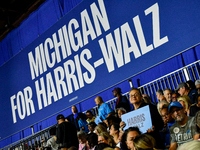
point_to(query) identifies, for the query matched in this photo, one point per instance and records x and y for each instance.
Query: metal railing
(171, 80)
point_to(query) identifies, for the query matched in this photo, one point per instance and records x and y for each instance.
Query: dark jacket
(157, 122)
(66, 134)
(124, 103)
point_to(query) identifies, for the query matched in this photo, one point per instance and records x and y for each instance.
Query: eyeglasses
(134, 95)
(197, 89)
(177, 110)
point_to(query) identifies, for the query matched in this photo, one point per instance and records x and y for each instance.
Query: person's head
(89, 114)
(185, 102)
(98, 100)
(74, 109)
(160, 105)
(100, 128)
(92, 140)
(177, 112)
(144, 141)
(91, 126)
(117, 91)
(175, 96)
(167, 118)
(82, 136)
(168, 95)
(197, 85)
(105, 137)
(102, 146)
(159, 94)
(60, 118)
(197, 100)
(146, 98)
(192, 145)
(112, 119)
(128, 137)
(182, 88)
(114, 129)
(190, 84)
(135, 96)
(120, 112)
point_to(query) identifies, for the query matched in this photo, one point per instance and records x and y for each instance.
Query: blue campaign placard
(140, 118)
(97, 45)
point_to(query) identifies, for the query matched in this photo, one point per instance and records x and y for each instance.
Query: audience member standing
(157, 122)
(184, 129)
(72, 118)
(66, 133)
(52, 141)
(104, 109)
(122, 101)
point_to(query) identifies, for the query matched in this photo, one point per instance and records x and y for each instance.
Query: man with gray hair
(197, 84)
(183, 89)
(160, 95)
(168, 95)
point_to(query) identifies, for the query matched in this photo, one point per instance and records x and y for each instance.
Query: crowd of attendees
(175, 123)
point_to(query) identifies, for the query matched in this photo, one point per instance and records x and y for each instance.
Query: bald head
(98, 100)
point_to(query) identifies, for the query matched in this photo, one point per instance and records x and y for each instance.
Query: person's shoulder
(192, 92)
(191, 118)
(175, 125)
(104, 105)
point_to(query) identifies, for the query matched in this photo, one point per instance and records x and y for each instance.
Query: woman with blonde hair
(105, 137)
(192, 145)
(99, 129)
(160, 105)
(144, 141)
(185, 102)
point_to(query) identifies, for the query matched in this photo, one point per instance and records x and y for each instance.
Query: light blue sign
(140, 118)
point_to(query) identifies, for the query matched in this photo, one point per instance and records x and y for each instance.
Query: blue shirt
(104, 110)
(83, 123)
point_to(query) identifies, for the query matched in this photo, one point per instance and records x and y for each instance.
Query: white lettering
(88, 66)
(111, 47)
(141, 38)
(156, 25)
(102, 17)
(59, 72)
(128, 36)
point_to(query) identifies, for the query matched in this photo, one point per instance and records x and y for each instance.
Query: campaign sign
(97, 45)
(140, 118)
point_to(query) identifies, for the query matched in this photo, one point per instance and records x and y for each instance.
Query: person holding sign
(135, 98)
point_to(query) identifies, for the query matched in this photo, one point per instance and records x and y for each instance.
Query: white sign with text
(140, 118)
